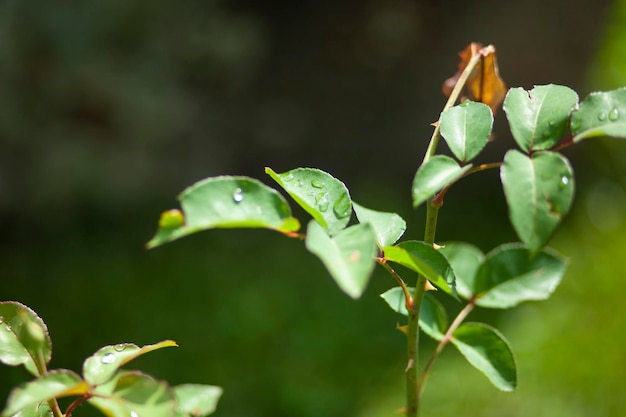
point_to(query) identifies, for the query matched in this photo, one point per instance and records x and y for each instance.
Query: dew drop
(575, 123)
(299, 183)
(317, 183)
(546, 134)
(323, 207)
(602, 116)
(108, 359)
(614, 114)
(119, 347)
(342, 206)
(288, 178)
(552, 123)
(238, 195)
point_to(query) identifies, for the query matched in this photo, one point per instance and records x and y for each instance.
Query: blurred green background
(109, 108)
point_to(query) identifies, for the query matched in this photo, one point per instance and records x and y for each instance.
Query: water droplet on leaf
(119, 347)
(238, 195)
(342, 206)
(614, 114)
(108, 359)
(552, 123)
(575, 123)
(299, 183)
(323, 207)
(317, 183)
(602, 116)
(288, 178)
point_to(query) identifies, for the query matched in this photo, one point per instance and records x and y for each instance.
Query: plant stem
(446, 339)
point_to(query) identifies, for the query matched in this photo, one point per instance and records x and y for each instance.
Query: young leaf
(323, 196)
(433, 319)
(511, 274)
(465, 260)
(466, 129)
(488, 351)
(440, 171)
(539, 192)
(102, 365)
(24, 338)
(54, 384)
(601, 114)
(196, 400)
(422, 258)
(41, 409)
(225, 202)
(134, 394)
(538, 117)
(389, 227)
(484, 83)
(348, 256)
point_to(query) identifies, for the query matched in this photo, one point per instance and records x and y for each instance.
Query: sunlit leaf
(54, 384)
(24, 338)
(484, 83)
(432, 320)
(510, 274)
(538, 118)
(601, 114)
(465, 260)
(466, 129)
(225, 202)
(348, 256)
(194, 400)
(422, 258)
(41, 409)
(135, 394)
(440, 171)
(323, 196)
(486, 349)
(389, 227)
(102, 365)
(539, 191)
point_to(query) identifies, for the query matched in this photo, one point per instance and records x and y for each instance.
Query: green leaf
(196, 400)
(489, 352)
(422, 258)
(103, 365)
(432, 320)
(511, 274)
(601, 114)
(321, 195)
(439, 172)
(538, 118)
(348, 256)
(41, 409)
(54, 384)
(134, 394)
(225, 202)
(466, 129)
(389, 227)
(24, 338)
(539, 192)
(465, 260)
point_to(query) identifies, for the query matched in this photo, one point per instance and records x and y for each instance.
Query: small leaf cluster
(24, 340)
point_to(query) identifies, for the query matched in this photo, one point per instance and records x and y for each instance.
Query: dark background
(109, 108)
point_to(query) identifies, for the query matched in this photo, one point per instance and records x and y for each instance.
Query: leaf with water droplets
(41, 409)
(24, 338)
(389, 227)
(466, 129)
(539, 192)
(134, 394)
(439, 172)
(317, 192)
(55, 384)
(433, 319)
(424, 259)
(510, 274)
(601, 114)
(102, 365)
(225, 202)
(194, 400)
(487, 350)
(348, 255)
(538, 118)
